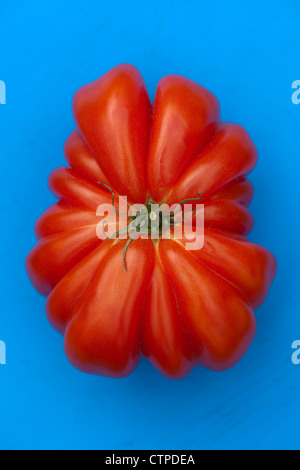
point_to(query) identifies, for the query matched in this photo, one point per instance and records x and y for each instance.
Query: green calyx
(151, 220)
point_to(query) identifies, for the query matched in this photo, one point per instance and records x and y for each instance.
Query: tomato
(117, 300)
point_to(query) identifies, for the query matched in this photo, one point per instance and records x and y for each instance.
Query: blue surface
(247, 53)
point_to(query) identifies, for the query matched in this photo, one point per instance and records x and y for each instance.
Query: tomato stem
(141, 222)
(130, 239)
(113, 201)
(191, 199)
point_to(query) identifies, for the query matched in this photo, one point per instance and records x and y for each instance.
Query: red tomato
(177, 307)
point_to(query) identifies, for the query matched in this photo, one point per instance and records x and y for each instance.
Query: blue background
(247, 53)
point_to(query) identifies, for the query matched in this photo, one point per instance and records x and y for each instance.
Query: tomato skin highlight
(177, 307)
(186, 116)
(165, 342)
(221, 325)
(114, 116)
(103, 336)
